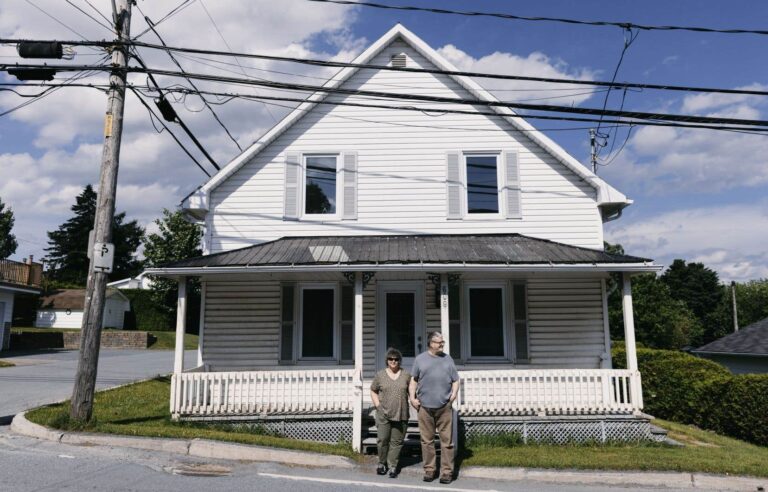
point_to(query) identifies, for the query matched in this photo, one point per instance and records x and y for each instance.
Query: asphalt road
(28, 464)
(48, 376)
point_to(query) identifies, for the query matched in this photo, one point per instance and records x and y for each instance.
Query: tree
(700, 289)
(752, 301)
(67, 257)
(8, 242)
(176, 240)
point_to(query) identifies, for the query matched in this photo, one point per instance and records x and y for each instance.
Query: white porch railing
(549, 392)
(483, 392)
(262, 392)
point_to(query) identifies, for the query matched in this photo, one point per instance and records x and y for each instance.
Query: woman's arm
(375, 399)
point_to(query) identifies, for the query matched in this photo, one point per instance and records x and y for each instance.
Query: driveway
(49, 376)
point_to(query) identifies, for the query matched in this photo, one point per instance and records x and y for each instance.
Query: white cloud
(730, 239)
(536, 64)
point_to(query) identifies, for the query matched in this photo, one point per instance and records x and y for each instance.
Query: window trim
(467, 327)
(500, 179)
(339, 188)
(301, 287)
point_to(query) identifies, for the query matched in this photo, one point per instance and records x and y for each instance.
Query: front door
(400, 320)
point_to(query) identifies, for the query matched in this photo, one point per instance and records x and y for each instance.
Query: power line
(57, 20)
(160, 120)
(636, 115)
(94, 19)
(460, 73)
(623, 25)
(183, 5)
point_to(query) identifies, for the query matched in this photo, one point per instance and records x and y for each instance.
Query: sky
(700, 195)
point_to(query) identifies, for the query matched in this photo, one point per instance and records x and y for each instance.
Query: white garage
(64, 309)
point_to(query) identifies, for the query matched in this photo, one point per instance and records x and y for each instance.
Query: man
(433, 388)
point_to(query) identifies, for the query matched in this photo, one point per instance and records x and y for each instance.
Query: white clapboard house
(347, 229)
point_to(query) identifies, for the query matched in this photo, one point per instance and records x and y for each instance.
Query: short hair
(434, 334)
(393, 352)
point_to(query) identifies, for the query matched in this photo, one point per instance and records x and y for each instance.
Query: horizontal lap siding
(242, 320)
(565, 323)
(401, 182)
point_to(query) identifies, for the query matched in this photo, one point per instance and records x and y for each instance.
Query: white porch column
(181, 315)
(445, 323)
(629, 323)
(357, 411)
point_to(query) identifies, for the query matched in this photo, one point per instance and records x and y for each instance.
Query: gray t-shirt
(435, 374)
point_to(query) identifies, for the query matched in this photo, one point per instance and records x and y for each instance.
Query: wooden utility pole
(90, 334)
(735, 313)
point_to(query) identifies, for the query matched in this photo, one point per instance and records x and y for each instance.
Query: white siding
(401, 182)
(114, 312)
(58, 318)
(6, 313)
(242, 320)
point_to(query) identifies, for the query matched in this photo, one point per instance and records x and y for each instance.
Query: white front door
(400, 313)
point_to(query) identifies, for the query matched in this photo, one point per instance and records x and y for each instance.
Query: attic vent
(398, 61)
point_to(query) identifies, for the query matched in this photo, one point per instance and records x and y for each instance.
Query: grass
(141, 409)
(704, 451)
(165, 340)
(6, 364)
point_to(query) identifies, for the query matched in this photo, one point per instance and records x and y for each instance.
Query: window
(318, 322)
(482, 184)
(487, 338)
(320, 184)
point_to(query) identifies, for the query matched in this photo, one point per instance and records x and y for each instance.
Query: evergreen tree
(176, 240)
(8, 242)
(67, 256)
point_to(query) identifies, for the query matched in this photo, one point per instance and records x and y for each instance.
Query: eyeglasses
(439, 343)
(393, 359)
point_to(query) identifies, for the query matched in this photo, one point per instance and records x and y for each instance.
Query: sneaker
(428, 478)
(393, 473)
(381, 469)
(446, 479)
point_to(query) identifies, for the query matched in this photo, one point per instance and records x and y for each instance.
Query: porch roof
(381, 252)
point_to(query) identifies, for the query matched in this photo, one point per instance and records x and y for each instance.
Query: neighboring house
(16, 278)
(139, 282)
(744, 351)
(64, 309)
(345, 230)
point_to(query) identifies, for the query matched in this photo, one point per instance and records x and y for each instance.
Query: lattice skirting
(561, 430)
(320, 428)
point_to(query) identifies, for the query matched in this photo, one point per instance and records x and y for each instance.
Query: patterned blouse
(393, 394)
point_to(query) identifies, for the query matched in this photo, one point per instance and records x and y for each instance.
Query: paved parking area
(42, 377)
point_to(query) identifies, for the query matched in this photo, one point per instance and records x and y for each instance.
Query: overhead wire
(94, 19)
(183, 5)
(561, 20)
(58, 21)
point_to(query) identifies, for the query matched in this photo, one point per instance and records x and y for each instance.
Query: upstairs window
(320, 184)
(482, 184)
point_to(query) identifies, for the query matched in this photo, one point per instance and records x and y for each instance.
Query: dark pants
(390, 435)
(440, 419)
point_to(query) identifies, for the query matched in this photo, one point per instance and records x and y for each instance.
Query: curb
(205, 448)
(201, 448)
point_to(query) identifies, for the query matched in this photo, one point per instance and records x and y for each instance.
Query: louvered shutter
(512, 188)
(287, 324)
(291, 201)
(453, 185)
(350, 186)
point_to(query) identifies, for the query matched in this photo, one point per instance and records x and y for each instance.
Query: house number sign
(103, 257)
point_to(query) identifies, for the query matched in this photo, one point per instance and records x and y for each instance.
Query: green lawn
(166, 340)
(6, 364)
(142, 410)
(704, 451)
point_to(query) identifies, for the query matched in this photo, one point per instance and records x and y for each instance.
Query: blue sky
(699, 194)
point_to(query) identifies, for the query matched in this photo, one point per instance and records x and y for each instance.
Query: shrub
(145, 314)
(690, 390)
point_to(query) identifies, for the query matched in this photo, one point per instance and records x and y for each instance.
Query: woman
(389, 393)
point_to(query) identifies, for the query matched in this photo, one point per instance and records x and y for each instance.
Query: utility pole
(101, 261)
(733, 300)
(593, 147)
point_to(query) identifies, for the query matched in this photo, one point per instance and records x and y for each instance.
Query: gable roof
(72, 298)
(750, 340)
(459, 251)
(197, 202)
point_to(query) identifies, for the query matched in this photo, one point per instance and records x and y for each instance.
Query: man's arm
(412, 393)
(455, 390)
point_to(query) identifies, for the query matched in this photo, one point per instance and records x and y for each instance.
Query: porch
(293, 347)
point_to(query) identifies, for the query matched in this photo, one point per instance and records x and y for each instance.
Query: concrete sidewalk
(228, 451)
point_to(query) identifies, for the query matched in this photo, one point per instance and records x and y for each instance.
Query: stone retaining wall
(112, 339)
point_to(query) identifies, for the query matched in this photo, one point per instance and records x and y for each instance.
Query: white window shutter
(453, 185)
(350, 186)
(512, 188)
(291, 197)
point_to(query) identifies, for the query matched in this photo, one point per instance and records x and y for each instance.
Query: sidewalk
(204, 448)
